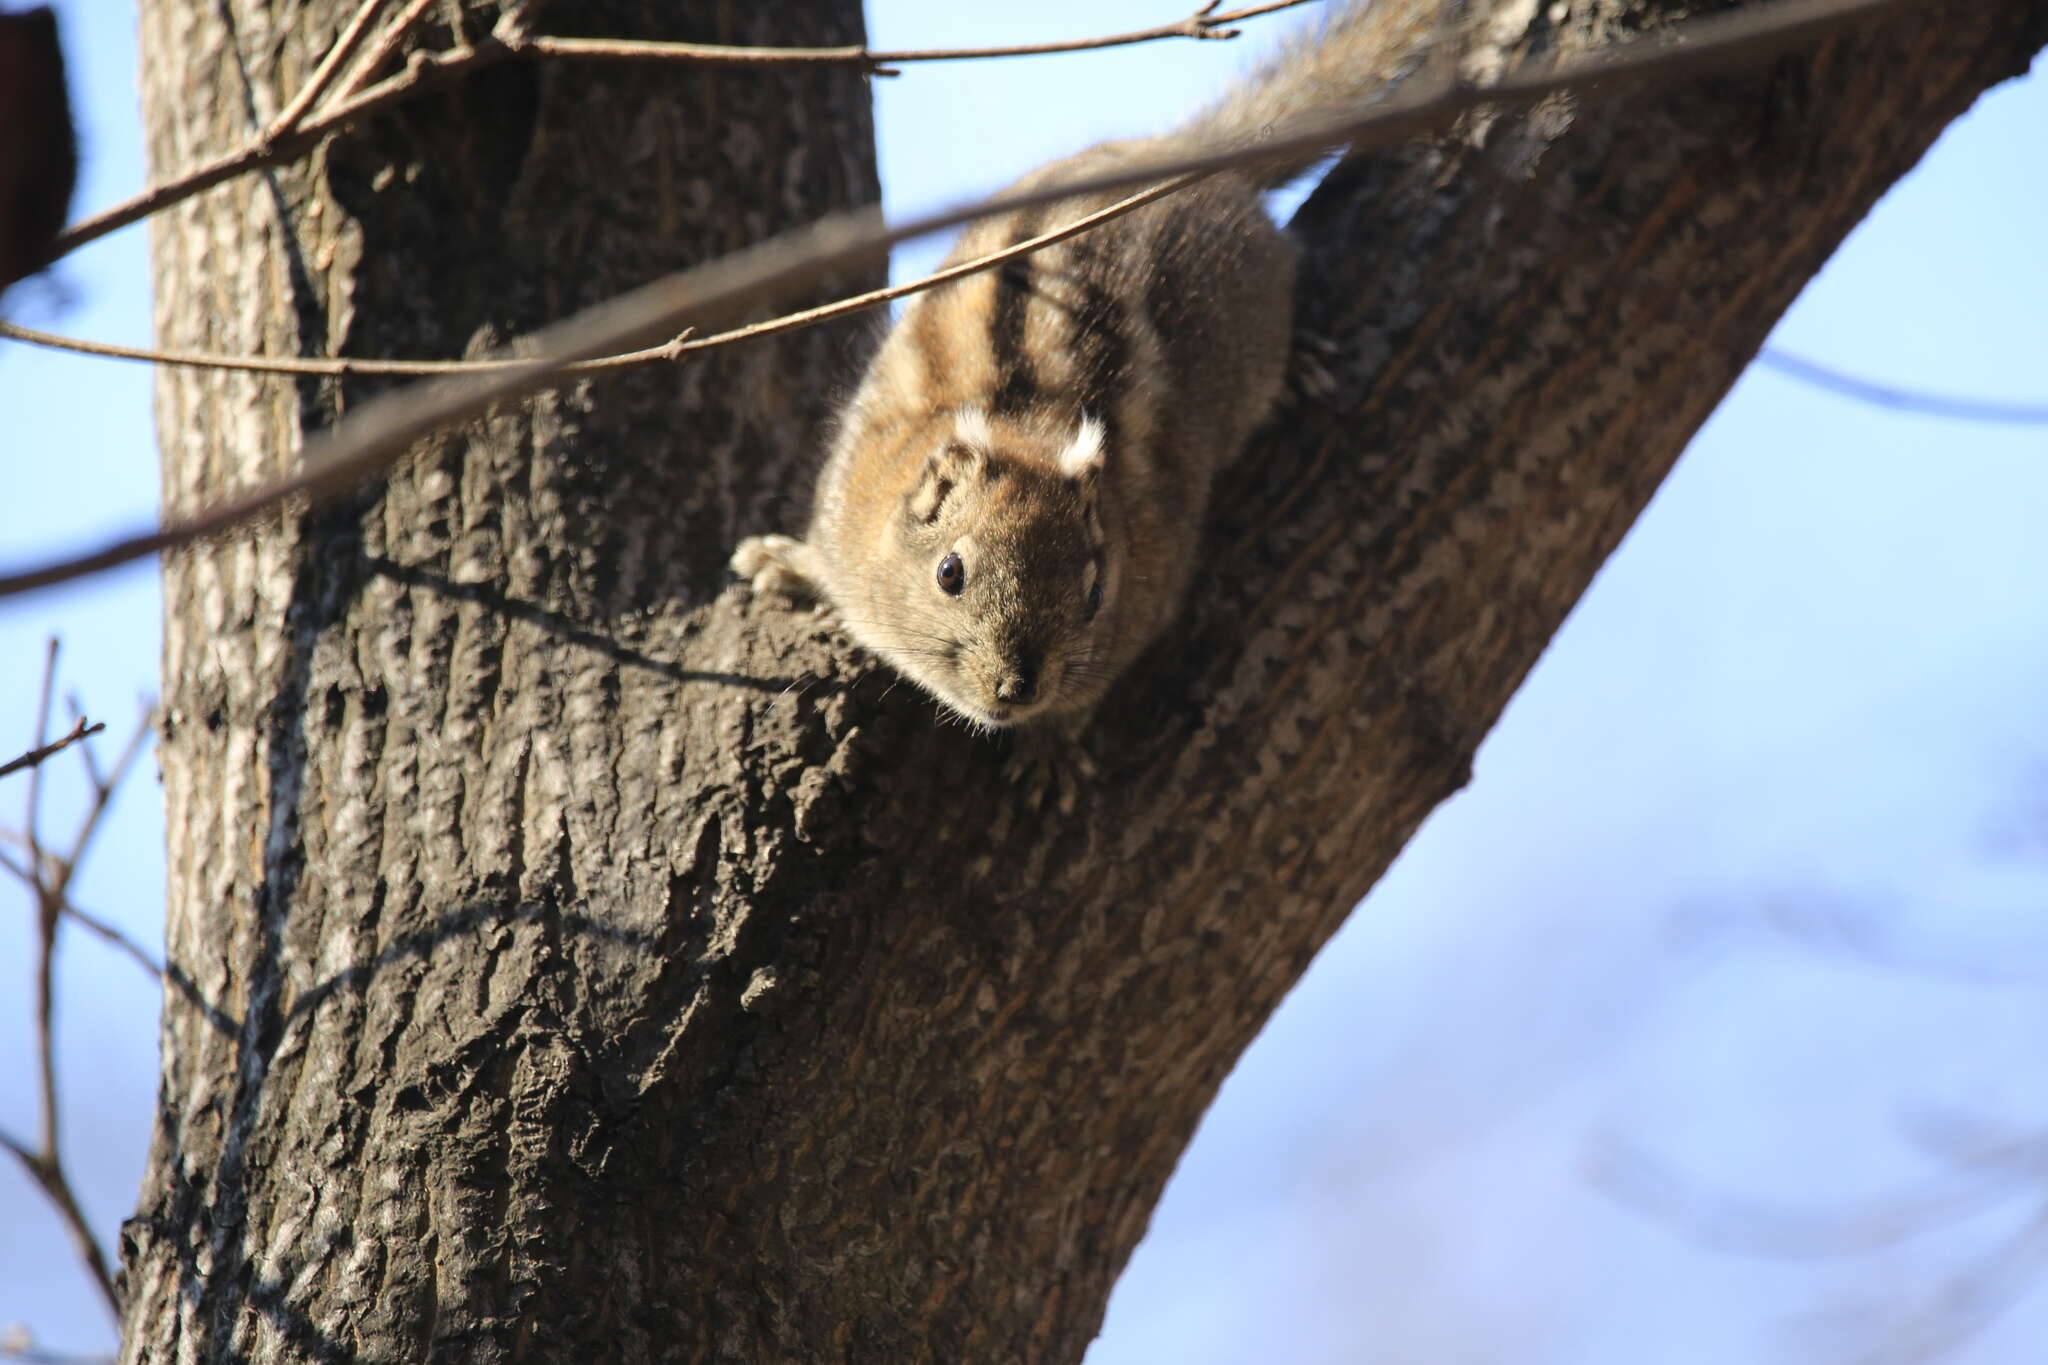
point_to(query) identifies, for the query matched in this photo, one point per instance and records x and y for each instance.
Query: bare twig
(323, 75)
(380, 432)
(50, 879)
(49, 876)
(1987, 1174)
(1204, 23)
(810, 317)
(86, 755)
(671, 350)
(1904, 400)
(1719, 40)
(1725, 1222)
(31, 823)
(427, 71)
(1968, 1302)
(50, 1177)
(79, 730)
(104, 928)
(103, 790)
(1976, 1146)
(322, 474)
(355, 99)
(387, 46)
(113, 936)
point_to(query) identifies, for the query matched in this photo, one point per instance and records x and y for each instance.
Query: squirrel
(1013, 504)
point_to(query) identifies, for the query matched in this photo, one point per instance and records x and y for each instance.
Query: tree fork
(573, 959)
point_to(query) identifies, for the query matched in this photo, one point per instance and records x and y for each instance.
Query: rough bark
(576, 960)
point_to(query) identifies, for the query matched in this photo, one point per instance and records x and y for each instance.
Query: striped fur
(1014, 501)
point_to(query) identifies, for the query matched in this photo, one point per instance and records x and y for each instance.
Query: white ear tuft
(1084, 456)
(971, 426)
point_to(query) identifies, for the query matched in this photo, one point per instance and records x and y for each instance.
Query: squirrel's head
(1000, 591)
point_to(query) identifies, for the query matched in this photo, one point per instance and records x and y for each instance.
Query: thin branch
(86, 755)
(99, 925)
(387, 46)
(46, 1166)
(80, 729)
(427, 70)
(323, 474)
(111, 933)
(1204, 23)
(102, 797)
(379, 433)
(323, 75)
(1724, 1222)
(1975, 1145)
(1967, 1303)
(46, 1043)
(855, 303)
(1964, 1304)
(1904, 400)
(672, 350)
(328, 365)
(31, 821)
(48, 877)
(50, 1178)
(1716, 41)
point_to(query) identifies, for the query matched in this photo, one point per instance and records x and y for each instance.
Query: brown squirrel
(1012, 507)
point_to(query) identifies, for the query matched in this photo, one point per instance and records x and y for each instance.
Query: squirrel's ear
(945, 468)
(1082, 460)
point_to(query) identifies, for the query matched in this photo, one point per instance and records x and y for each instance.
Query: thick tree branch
(617, 958)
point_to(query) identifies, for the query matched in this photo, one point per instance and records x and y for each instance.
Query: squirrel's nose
(1018, 686)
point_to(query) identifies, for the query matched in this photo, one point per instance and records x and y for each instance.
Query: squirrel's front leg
(782, 565)
(1049, 762)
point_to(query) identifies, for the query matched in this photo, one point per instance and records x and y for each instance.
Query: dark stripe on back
(1099, 346)
(1102, 347)
(1016, 377)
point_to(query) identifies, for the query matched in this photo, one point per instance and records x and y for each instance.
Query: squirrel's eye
(952, 575)
(1094, 600)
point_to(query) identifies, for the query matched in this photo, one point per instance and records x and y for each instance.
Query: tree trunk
(574, 959)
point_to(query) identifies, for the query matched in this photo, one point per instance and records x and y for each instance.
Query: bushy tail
(1362, 50)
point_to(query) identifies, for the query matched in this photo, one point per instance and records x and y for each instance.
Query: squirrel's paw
(1049, 766)
(774, 564)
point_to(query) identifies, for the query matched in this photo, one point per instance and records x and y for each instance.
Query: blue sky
(1750, 879)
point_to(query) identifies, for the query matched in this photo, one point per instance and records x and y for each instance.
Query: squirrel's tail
(1362, 50)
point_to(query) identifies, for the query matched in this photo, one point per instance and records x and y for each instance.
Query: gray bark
(576, 960)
